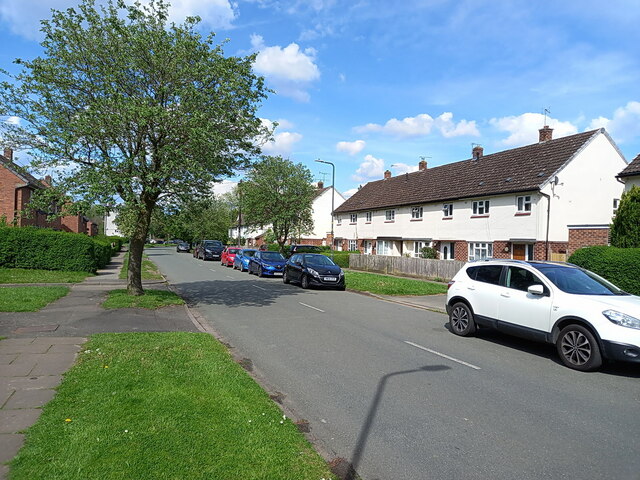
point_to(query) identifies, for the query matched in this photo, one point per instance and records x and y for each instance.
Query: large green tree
(625, 229)
(279, 194)
(131, 108)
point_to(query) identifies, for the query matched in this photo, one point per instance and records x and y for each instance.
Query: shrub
(340, 258)
(625, 229)
(621, 266)
(37, 248)
(428, 252)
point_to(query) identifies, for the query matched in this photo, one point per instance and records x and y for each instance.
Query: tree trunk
(136, 246)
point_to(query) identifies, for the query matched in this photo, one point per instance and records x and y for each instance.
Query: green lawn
(149, 269)
(388, 285)
(163, 406)
(29, 299)
(23, 275)
(151, 299)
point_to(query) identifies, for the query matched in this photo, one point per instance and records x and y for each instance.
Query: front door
(519, 252)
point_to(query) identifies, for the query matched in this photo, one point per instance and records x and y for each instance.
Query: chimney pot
(546, 133)
(8, 153)
(387, 174)
(422, 165)
(477, 152)
(320, 185)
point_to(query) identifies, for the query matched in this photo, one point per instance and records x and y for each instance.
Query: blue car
(267, 263)
(241, 262)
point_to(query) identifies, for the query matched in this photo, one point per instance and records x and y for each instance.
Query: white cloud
(23, 17)
(225, 186)
(290, 69)
(400, 168)
(422, 125)
(283, 142)
(625, 124)
(351, 147)
(349, 193)
(523, 129)
(12, 121)
(371, 169)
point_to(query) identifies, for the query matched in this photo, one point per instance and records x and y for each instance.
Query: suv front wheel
(461, 320)
(578, 348)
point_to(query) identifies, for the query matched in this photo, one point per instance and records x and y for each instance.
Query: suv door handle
(471, 288)
(505, 295)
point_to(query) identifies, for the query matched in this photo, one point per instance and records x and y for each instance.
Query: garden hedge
(621, 266)
(38, 248)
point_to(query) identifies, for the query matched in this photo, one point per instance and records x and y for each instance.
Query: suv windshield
(577, 281)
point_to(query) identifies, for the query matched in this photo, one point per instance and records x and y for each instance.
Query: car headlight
(313, 272)
(622, 319)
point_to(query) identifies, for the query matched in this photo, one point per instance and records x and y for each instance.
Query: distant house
(540, 201)
(631, 174)
(321, 215)
(17, 187)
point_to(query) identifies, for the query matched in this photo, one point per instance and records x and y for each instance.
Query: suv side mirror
(536, 289)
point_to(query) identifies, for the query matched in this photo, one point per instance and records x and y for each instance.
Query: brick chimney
(546, 133)
(387, 174)
(422, 165)
(8, 153)
(320, 185)
(477, 152)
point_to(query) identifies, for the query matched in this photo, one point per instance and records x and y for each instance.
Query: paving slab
(29, 398)
(10, 443)
(14, 421)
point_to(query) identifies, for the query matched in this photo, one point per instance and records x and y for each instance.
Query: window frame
(390, 215)
(353, 245)
(522, 203)
(480, 246)
(417, 213)
(447, 210)
(353, 218)
(480, 208)
(368, 217)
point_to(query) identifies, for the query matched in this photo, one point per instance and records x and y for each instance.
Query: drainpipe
(546, 242)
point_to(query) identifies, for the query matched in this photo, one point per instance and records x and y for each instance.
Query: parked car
(241, 262)
(228, 256)
(313, 269)
(267, 263)
(302, 249)
(183, 247)
(584, 315)
(210, 250)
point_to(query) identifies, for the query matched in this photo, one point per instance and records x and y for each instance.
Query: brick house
(540, 201)
(17, 187)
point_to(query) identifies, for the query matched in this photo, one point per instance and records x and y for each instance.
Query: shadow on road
(363, 436)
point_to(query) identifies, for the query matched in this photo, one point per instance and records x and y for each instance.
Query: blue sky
(373, 85)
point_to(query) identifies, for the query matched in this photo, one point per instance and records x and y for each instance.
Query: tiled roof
(516, 170)
(20, 172)
(632, 169)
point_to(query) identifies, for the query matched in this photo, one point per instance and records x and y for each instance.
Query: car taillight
(450, 283)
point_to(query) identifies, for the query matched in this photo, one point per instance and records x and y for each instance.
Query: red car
(228, 256)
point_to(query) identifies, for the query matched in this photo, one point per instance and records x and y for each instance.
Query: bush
(428, 252)
(341, 258)
(621, 266)
(37, 248)
(625, 229)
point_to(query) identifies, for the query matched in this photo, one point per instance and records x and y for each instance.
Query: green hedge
(341, 258)
(621, 266)
(45, 249)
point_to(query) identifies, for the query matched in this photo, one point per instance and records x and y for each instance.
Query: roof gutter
(546, 241)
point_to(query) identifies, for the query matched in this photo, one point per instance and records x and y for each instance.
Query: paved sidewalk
(42, 345)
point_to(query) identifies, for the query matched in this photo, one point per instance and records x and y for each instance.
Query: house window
(480, 251)
(368, 248)
(390, 215)
(616, 204)
(417, 246)
(384, 247)
(369, 216)
(524, 204)
(447, 210)
(354, 218)
(416, 213)
(339, 219)
(481, 207)
(353, 245)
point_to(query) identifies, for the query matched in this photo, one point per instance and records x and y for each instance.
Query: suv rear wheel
(461, 320)
(578, 348)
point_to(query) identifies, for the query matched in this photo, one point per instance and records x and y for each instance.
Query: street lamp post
(333, 194)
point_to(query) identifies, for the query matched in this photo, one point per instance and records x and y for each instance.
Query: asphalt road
(392, 390)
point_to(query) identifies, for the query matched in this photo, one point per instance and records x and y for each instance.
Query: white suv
(585, 316)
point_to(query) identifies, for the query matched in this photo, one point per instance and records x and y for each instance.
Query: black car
(313, 269)
(183, 247)
(210, 250)
(302, 249)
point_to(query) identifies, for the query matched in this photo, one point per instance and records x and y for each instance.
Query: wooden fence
(411, 267)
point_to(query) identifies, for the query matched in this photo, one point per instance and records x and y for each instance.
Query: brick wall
(499, 247)
(461, 251)
(587, 237)
(8, 183)
(554, 247)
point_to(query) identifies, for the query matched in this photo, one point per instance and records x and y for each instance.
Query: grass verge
(149, 269)
(151, 299)
(163, 405)
(29, 299)
(23, 275)
(387, 285)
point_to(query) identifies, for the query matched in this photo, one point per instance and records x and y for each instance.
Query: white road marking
(443, 355)
(309, 306)
(212, 269)
(256, 286)
(229, 276)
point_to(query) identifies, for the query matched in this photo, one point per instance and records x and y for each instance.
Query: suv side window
(486, 273)
(521, 279)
